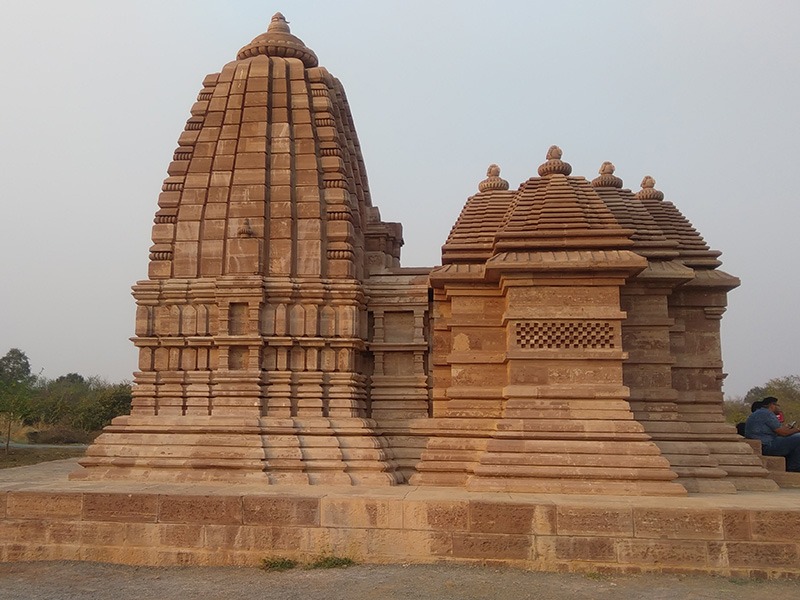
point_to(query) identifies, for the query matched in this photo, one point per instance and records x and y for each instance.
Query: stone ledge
(52, 518)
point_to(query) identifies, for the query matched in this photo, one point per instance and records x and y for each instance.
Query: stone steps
(776, 465)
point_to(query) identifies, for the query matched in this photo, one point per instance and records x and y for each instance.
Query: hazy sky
(702, 95)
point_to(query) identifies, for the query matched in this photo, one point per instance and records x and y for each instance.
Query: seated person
(776, 439)
(753, 408)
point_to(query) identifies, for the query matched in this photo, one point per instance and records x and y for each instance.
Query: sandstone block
(497, 517)
(677, 523)
(59, 533)
(281, 511)
(687, 554)
(761, 555)
(142, 534)
(181, 535)
(120, 507)
(436, 515)
(199, 509)
(599, 521)
(361, 513)
(736, 525)
(420, 544)
(775, 526)
(31, 531)
(37, 505)
(96, 533)
(222, 537)
(491, 546)
(351, 543)
(598, 549)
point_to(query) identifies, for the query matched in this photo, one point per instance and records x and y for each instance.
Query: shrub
(278, 564)
(331, 562)
(60, 435)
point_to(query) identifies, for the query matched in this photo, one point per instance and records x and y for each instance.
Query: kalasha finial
(607, 177)
(278, 23)
(649, 191)
(279, 41)
(493, 180)
(554, 164)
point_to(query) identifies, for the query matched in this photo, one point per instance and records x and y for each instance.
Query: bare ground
(74, 581)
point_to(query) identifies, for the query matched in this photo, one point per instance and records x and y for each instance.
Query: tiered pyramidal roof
(629, 211)
(559, 211)
(555, 210)
(693, 250)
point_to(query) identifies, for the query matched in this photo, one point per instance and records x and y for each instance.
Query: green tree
(71, 404)
(16, 384)
(103, 403)
(785, 389)
(736, 410)
(57, 399)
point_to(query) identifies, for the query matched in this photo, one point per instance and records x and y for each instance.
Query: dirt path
(78, 581)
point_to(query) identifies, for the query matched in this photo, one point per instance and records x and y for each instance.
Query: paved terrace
(46, 516)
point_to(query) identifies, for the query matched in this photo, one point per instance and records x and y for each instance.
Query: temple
(568, 343)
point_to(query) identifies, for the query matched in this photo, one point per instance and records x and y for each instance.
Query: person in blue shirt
(776, 439)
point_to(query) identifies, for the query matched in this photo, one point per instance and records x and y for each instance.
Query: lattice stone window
(564, 334)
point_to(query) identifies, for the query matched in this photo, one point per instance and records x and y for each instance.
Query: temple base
(314, 451)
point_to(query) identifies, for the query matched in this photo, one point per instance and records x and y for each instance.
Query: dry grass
(20, 457)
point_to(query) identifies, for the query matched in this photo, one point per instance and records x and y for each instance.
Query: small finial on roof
(554, 164)
(607, 177)
(278, 23)
(279, 41)
(649, 191)
(493, 180)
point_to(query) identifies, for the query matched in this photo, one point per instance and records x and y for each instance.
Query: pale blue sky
(702, 95)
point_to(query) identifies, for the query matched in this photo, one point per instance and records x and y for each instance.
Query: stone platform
(46, 516)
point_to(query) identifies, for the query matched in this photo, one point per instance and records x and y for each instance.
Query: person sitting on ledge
(753, 408)
(776, 439)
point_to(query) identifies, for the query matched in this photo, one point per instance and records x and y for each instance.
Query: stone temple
(569, 342)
